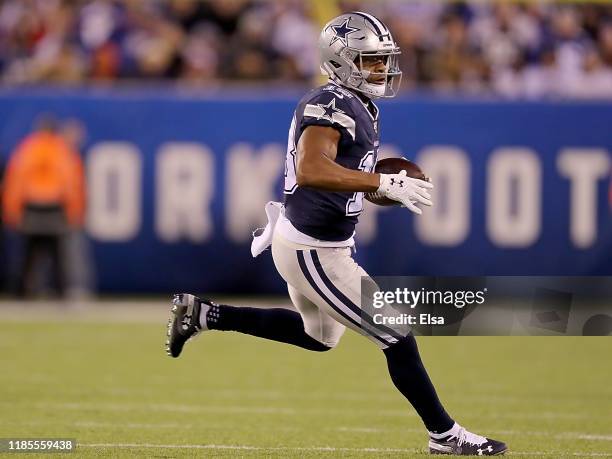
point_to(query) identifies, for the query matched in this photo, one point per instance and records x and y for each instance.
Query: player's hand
(407, 190)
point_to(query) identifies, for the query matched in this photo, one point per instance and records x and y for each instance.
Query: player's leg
(331, 279)
(192, 315)
(317, 323)
(308, 328)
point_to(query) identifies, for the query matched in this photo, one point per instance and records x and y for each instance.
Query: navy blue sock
(411, 379)
(274, 324)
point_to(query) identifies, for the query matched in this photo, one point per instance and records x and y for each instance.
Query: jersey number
(354, 206)
(290, 161)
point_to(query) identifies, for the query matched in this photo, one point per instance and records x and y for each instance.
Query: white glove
(407, 190)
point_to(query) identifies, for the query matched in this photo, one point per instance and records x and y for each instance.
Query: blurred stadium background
(168, 121)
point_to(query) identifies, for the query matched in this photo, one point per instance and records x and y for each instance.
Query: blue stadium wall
(177, 183)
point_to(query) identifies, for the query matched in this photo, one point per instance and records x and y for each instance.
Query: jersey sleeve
(327, 108)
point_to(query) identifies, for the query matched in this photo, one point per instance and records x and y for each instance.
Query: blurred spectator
(43, 201)
(248, 57)
(593, 79)
(200, 55)
(294, 37)
(604, 42)
(505, 47)
(453, 61)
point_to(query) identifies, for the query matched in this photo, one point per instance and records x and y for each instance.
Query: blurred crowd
(529, 49)
(194, 41)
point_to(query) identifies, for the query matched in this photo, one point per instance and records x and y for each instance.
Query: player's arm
(316, 166)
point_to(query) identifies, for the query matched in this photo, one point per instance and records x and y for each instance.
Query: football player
(332, 149)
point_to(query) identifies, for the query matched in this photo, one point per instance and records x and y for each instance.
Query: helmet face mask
(349, 46)
(380, 84)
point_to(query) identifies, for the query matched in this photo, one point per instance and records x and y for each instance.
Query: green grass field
(105, 380)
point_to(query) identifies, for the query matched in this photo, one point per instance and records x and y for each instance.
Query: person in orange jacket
(44, 198)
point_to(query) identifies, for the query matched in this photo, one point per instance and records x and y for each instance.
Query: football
(394, 166)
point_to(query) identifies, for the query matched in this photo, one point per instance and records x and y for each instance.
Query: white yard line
(253, 448)
(595, 437)
(321, 449)
(132, 425)
(356, 429)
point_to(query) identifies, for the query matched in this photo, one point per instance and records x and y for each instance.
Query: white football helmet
(346, 40)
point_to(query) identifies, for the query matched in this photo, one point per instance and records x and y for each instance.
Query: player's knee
(328, 336)
(325, 345)
(331, 344)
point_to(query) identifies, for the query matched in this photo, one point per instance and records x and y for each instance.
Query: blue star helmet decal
(341, 31)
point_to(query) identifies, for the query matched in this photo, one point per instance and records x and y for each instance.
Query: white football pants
(325, 287)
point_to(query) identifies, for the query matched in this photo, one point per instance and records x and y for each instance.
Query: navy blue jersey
(328, 215)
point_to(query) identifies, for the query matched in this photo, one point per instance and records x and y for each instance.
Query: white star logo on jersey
(332, 114)
(328, 110)
(341, 31)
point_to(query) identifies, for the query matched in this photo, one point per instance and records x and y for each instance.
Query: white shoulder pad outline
(332, 114)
